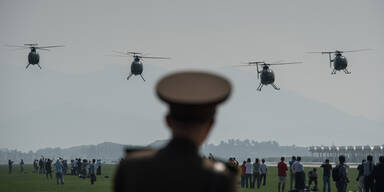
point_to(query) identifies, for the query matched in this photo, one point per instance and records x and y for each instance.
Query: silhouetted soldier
(192, 98)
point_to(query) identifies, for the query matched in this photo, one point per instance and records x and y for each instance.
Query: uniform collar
(182, 145)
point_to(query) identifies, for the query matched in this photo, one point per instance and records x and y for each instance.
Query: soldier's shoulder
(220, 167)
(136, 158)
(139, 153)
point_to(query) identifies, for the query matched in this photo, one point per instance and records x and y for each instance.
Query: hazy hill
(111, 152)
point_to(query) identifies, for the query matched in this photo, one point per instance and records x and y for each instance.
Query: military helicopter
(137, 64)
(33, 56)
(266, 75)
(339, 61)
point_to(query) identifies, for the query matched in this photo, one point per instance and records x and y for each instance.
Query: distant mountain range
(112, 152)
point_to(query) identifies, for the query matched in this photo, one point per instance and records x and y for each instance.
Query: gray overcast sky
(81, 95)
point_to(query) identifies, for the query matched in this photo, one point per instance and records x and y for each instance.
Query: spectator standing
(360, 176)
(368, 176)
(339, 174)
(41, 166)
(291, 173)
(256, 173)
(21, 166)
(263, 171)
(298, 170)
(326, 175)
(72, 167)
(92, 174)
(48, 168)
(10, 165)
(242, 181)
(248, 173)
(312, 176)
(98, 165)
(84, 169)
(44, 163)
(35, 166)
(59, 172)
(378, 174)
(65, 167)
(282, 174)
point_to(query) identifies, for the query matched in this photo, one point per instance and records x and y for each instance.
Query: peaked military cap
(193, 96)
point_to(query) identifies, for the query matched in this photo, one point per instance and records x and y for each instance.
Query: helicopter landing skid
(259, 87)
(129, 76)
(142, 77)
(333, 72)
(274, 86)
(346, 71)
(31, 64)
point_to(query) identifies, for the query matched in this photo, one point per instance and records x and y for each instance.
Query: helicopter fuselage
(340, 62)
(137, 67)
(33, 58)
(267, 76)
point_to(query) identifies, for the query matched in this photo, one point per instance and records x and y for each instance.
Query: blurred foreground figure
(192, 98)
(378, 174)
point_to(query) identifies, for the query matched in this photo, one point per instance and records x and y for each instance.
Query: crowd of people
(253, 174)
(370, 177)
(82, 168)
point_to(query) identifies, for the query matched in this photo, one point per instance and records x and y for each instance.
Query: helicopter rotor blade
(134, 53)
(243, 65)
(120, 52)
(118, 55)
(31, 44)
(18, 46)
(288, 63)
(322, 52)
(44, 49)
(356, 50)
(52, 46)
(156, 57)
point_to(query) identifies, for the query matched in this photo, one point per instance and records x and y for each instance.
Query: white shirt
(248, 168)
(263, 168)
(297, 167)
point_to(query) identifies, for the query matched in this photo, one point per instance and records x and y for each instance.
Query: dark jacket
(378, 174)
(177, 167)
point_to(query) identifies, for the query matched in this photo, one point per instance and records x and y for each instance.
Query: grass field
(30, 182)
